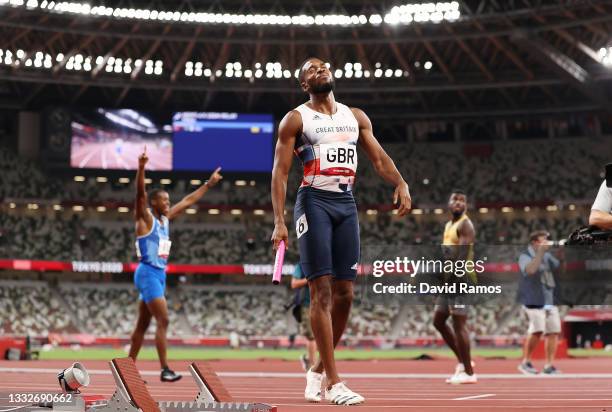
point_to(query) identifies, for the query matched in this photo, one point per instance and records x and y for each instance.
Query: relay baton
(278, 263)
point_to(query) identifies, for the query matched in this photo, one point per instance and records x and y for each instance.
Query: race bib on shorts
(164, 248)
(301, 225)
(338, 158)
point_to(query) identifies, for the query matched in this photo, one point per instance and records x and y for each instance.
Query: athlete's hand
(280, 233)
(402, 195)
(214, 178)
(143, 159)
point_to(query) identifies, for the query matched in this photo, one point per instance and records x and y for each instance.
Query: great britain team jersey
(154, 247)
(327, 148)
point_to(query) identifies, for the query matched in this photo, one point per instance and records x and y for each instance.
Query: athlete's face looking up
(457, 204)
(316, 77)
(161, 203)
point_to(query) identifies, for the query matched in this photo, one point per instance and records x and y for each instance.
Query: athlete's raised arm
(144, 220)
(383, 164)
(290, 127)
(194, 196)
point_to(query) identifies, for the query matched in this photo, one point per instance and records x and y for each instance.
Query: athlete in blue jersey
(153, 247)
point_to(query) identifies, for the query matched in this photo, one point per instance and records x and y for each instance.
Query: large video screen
(113, 139)
(236, 142)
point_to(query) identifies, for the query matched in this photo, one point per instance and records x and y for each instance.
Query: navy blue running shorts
(327, 228)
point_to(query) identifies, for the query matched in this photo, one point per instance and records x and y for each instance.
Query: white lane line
(87, 158)
(300, 375)
(465, 398)
(104, 162)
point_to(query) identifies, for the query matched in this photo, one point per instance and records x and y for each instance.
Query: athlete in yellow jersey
(459, 234)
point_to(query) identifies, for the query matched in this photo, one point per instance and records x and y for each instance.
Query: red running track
(586, 384)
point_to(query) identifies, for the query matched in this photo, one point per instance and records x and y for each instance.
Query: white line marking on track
(104, 162)
(300, 375)
(87, 158)
(465, 398)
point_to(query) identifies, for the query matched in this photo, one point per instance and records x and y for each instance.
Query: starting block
(132, 394)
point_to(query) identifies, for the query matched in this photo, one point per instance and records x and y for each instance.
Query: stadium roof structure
(399, 61)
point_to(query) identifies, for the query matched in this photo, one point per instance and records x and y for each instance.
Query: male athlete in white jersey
(324, 135)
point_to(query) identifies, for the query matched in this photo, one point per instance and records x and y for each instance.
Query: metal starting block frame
(132, 394)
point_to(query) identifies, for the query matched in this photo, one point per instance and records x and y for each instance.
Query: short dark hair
(301, 72)
(533, 236)
(458, 192)
(154, 193)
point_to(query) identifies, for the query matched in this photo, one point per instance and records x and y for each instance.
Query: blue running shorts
(150, 282)
(327, 228)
